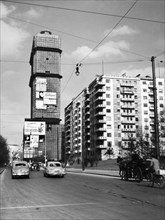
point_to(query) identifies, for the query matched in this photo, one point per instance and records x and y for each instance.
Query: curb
(101, 173)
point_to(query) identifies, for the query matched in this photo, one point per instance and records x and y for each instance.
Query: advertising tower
(45, 83)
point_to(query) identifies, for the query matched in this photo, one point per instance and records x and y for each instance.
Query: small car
(20, 169)
(53, 168)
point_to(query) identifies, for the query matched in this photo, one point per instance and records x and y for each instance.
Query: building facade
(45, 84)
(110, 114)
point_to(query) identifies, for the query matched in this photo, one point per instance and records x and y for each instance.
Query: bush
(4, 155)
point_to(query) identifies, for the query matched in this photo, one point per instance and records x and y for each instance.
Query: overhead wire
(85, 11)
(103, 39)
(128, 51)
(43, 26)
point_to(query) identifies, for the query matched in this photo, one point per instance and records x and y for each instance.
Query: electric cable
(84, 11)
(43, 26)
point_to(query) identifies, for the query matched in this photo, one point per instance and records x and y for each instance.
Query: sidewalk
(114, 173)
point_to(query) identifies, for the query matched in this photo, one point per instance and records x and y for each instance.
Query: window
(160, 97)
(146, 112)
(160, 90)
(109, 126)
(160, 83)
(146, 119)
(108, 110)
(145, 105)
(108, 95)
(144, 83)
(108, 118)
(108, 103)
(144, 97)
(109, 135)
(117, 96)
(107, 80)
(144, 90)
(107, 88)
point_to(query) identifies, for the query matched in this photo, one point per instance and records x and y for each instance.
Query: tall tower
(45, 80)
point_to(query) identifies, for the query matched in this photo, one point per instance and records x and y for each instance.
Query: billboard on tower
(34, 128)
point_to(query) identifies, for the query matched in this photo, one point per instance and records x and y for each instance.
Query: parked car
(53, 168)
(20, 169)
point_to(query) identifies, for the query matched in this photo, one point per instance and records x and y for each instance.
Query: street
(78, 196)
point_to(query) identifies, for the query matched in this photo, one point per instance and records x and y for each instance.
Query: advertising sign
(50, 98)
(41, 84)
(40, 104)
(34, 139)
(34, 128)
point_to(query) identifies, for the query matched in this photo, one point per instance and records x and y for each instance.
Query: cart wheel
(138, 175)
(124, 175)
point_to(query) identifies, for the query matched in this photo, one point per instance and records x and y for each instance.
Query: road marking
(45, 206)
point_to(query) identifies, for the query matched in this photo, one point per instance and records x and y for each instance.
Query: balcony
(100, 113)
(101, 138)
(151, 108)
(100, 98)
(128, 130)
(128, 106)
(127, 99)
(100, 129)
(151, 100)
(99, 91)
(126, 91)
(101, 147)
(99, 106)
(125, 114)
(99, 121)
(126, 84)
(128, 121)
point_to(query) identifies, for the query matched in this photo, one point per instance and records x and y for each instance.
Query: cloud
(146, 71)
(12, 38)
(6, 10)
(32, 13)
(105, 50)
(12, 35)
(124, 30)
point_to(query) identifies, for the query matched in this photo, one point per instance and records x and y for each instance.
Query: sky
(108, 37)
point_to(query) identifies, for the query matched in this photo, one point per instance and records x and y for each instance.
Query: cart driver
(154, 165)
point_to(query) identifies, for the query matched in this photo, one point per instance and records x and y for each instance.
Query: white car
(54, 169)
(20, 169)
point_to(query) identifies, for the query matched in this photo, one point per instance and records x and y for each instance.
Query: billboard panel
(34, 128)
(50, 98)
(34, 140)
(41, 84)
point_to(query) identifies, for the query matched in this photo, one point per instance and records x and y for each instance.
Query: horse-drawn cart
(134, 169)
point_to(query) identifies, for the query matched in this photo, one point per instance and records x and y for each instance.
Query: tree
(4, 152)
(109, 152)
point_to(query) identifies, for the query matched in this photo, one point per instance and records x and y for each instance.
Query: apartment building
(110, 113)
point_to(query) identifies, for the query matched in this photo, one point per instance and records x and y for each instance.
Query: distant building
(109, 114)
(45, 84)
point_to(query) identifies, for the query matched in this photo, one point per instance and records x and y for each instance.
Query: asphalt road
(78, 196)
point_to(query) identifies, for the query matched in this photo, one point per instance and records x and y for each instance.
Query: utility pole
(156, 123)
